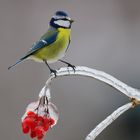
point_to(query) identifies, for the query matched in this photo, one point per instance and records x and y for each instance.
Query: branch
(132, 93)
(99, 75)
(100, 127)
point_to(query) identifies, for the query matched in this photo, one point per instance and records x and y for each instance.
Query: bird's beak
(71, 20)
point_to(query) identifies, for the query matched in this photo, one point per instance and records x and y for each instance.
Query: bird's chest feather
(57, 49)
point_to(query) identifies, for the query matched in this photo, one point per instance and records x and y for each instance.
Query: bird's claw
(72, 66)
(53, 71)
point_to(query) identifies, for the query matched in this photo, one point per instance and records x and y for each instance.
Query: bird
(53, 45)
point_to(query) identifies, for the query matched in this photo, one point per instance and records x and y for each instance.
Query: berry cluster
(36, 125)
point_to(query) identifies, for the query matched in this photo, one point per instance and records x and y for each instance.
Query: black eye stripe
(65, 19)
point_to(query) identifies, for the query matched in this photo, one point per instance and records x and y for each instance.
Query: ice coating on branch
(50, 111)
(45, 92)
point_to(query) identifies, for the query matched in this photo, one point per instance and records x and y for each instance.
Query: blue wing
(45, 40)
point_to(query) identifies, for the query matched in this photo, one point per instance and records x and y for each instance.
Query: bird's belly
(53, 52)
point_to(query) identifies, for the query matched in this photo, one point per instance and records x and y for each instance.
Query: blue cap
(61, 13)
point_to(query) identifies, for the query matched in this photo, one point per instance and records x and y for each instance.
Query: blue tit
(54, 44)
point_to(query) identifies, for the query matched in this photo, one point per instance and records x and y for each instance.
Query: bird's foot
(53, 71)
(69, 65)
(72, 66)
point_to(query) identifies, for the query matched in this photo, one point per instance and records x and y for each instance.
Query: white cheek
(63, 23)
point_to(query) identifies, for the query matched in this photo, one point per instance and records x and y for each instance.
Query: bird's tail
(18, 62)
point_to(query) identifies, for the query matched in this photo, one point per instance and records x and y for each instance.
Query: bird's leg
(69, 65)
(51, 70)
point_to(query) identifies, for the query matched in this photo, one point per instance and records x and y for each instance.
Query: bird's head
(61, 20)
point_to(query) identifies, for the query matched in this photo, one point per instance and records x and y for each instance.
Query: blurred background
(105, 36)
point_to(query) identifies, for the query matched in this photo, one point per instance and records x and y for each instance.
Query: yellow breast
(56, 50)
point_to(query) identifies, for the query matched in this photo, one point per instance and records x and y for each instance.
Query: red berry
(40, 120)
(46, 127)
(40, 137)
(31, 113)
(29, 121)
(33, 134)
(46, 120)
(39, 132)
(51, 121)
(25, 128)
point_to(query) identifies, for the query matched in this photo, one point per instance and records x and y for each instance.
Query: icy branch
(99, 75)
(100, 127)
(132, 93)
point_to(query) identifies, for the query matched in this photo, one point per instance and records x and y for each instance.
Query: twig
(101, 126)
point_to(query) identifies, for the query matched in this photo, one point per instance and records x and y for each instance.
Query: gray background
(105, 36)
